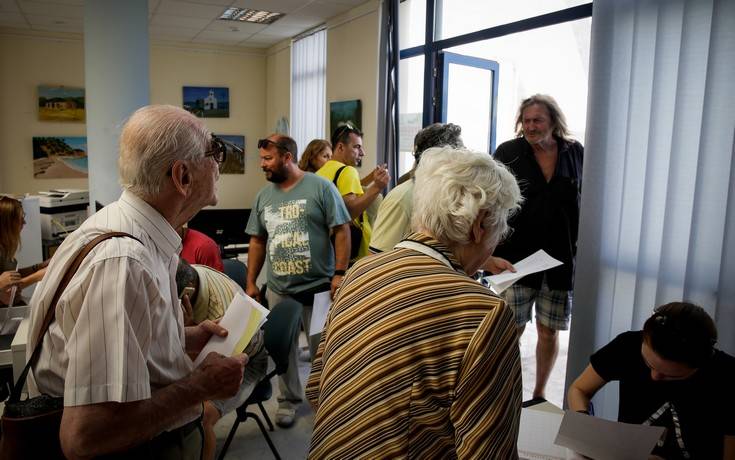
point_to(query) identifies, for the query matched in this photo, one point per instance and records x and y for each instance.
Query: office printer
(62, 211)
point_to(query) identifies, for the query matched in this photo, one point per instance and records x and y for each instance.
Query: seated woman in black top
(670, 375)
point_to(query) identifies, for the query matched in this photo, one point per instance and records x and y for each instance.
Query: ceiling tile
(325, 10)
(58, 28)
(52, 9)
(223, 3)
(13, 20)
(224, 26)
(69, 2)
(275, 6)
(285, 30)
(210, 36)
(179, 21)
(189, 9)
(173, 32)
(77, 23)
(7, 7)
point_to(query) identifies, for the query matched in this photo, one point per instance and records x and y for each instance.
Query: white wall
(26, 62)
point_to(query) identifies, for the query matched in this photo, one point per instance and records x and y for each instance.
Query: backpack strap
(51, 312)
(336, 175)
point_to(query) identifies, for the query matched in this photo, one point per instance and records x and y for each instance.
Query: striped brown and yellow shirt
(417, 361)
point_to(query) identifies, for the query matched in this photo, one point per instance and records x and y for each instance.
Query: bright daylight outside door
(469, 91)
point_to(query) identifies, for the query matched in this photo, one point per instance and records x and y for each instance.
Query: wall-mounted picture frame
(60, 157)
(61, 103)
(345, 111)
(207, 101)
(234, 161)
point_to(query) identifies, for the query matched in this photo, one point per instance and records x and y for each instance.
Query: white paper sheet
(538, 429)
(602, 439)
(319, 312)
(242, 319)
(536, 262)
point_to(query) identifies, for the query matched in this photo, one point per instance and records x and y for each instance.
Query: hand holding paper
(242, 319)
(536, 262)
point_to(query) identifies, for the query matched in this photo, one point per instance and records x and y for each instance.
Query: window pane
(410, 106)
(557, 65)
(459, 17)
(470, 109)
(411, 23)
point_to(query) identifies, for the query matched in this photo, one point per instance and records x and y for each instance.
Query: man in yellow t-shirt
(347, 152)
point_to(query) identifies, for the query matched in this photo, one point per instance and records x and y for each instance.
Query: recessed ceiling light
(248, 15)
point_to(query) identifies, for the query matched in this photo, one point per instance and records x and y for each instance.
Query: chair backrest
(283, 323)
(237, 271)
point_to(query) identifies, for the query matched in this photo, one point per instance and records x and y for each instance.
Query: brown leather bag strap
(51, 312)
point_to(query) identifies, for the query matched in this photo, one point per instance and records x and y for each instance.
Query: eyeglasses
(264, 143)
(219, 149)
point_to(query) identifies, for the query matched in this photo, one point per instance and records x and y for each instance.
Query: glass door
(468, 91)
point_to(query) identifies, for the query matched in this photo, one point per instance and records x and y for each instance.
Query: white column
(116, 73)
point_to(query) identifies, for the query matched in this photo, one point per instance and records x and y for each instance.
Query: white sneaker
(285, 417)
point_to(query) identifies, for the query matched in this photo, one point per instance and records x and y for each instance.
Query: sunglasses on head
(265, 143)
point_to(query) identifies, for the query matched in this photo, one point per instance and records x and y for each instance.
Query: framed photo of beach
(60, 103)
(207, 101)
(234, 161)
(59, 157)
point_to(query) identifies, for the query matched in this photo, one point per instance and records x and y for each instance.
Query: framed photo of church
(207, 101)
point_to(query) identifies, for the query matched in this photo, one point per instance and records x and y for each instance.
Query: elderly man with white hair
(117, 348)
(417, 359)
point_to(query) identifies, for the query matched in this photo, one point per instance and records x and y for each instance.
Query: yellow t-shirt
(349, 182)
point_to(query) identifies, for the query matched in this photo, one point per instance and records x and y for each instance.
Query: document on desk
(538, 429)
(536, 262)
(319, 312)
(602, 439)
(242, 320)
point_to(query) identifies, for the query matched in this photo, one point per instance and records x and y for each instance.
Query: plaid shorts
(553, 307)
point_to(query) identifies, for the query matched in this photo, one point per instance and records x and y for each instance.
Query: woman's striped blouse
(417, 361)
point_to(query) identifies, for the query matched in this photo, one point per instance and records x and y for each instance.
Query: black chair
(237, 271)
(283, 323)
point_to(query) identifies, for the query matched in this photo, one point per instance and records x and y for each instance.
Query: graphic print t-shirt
(296, 224)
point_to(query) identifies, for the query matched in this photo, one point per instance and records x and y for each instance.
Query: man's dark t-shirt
(549, 215)
(703, 403)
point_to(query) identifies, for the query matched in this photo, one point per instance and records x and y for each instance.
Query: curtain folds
(658, 201)
(308, 88)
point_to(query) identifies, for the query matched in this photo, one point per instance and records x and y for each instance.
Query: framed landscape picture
(60, 103)
(234, 161)
(59, 157)
(207, 101)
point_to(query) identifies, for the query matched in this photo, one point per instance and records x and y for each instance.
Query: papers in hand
(319, 313)
(242, 320)
(536, 262)
(605, 440)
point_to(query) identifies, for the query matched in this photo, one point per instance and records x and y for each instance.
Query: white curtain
(308, 88)
(658, 199)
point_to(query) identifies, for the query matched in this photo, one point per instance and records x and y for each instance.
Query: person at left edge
(117, 349)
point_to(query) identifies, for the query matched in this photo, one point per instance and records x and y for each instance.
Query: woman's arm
(584, 388)
(33, 278)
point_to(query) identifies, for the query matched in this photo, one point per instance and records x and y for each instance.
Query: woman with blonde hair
(318, 152)
(12, 219)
